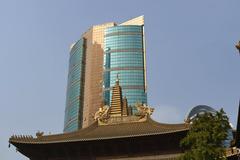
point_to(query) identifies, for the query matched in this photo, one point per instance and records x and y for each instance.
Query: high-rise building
(84, 89)
(125, 56)
(102, 52)
(75, 87)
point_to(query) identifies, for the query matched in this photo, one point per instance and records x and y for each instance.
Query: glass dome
(199, 110)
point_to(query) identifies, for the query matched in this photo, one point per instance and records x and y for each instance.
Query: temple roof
(103, 132)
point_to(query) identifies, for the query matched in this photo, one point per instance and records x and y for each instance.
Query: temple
(115, 134)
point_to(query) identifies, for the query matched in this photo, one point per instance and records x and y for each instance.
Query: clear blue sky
(191, 58)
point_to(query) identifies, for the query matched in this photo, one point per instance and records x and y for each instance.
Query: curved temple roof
(96, 132)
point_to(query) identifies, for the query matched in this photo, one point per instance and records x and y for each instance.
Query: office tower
(124, 49)
(75, 89)
(124, 56)
(84, 89)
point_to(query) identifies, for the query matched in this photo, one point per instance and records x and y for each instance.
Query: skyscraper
(125, 56)
(84, 89)
(102, 52)
(75, 86)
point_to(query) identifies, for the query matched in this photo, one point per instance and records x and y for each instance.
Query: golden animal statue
(143, 110)
(39, 134)
(102, 114)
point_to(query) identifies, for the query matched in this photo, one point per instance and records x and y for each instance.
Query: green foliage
(204, 140)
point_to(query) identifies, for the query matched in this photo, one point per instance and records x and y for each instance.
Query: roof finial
(117, 79)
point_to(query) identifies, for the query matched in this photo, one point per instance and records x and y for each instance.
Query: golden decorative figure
(39, 134)
(143, 110)
(102, 114)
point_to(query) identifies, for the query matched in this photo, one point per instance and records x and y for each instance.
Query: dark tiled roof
(95, 132)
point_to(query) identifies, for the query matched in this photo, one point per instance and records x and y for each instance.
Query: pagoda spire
(116, 102)
(117, 79)
(125, 107)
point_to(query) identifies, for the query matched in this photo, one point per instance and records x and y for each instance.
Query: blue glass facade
(74, 101)
(124, 56)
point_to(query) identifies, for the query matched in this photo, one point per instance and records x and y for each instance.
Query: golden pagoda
(116, 103)
(119, 105)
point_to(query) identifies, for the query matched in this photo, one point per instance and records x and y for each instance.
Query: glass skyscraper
(102, 52)
(74, 101)
(124, 56)
(84, 89)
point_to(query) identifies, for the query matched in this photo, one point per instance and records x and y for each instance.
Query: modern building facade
(93, 96)
(102, 52)
(124, 56)
(84, 89)
(75, 86)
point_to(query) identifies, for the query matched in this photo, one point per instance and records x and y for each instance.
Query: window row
(129, 83)
(137, 38)
(123, 53)
(76, 59)
(123, 29)
(130, 58)
(127, 73)
(124, 65)
(123, 47)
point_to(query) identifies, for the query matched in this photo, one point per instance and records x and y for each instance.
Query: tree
(205, 138)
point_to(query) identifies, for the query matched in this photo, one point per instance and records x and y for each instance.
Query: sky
(191, 58)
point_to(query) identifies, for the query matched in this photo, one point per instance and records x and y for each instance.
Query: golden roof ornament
(144, 110)
(102, 115)
(39, 134)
